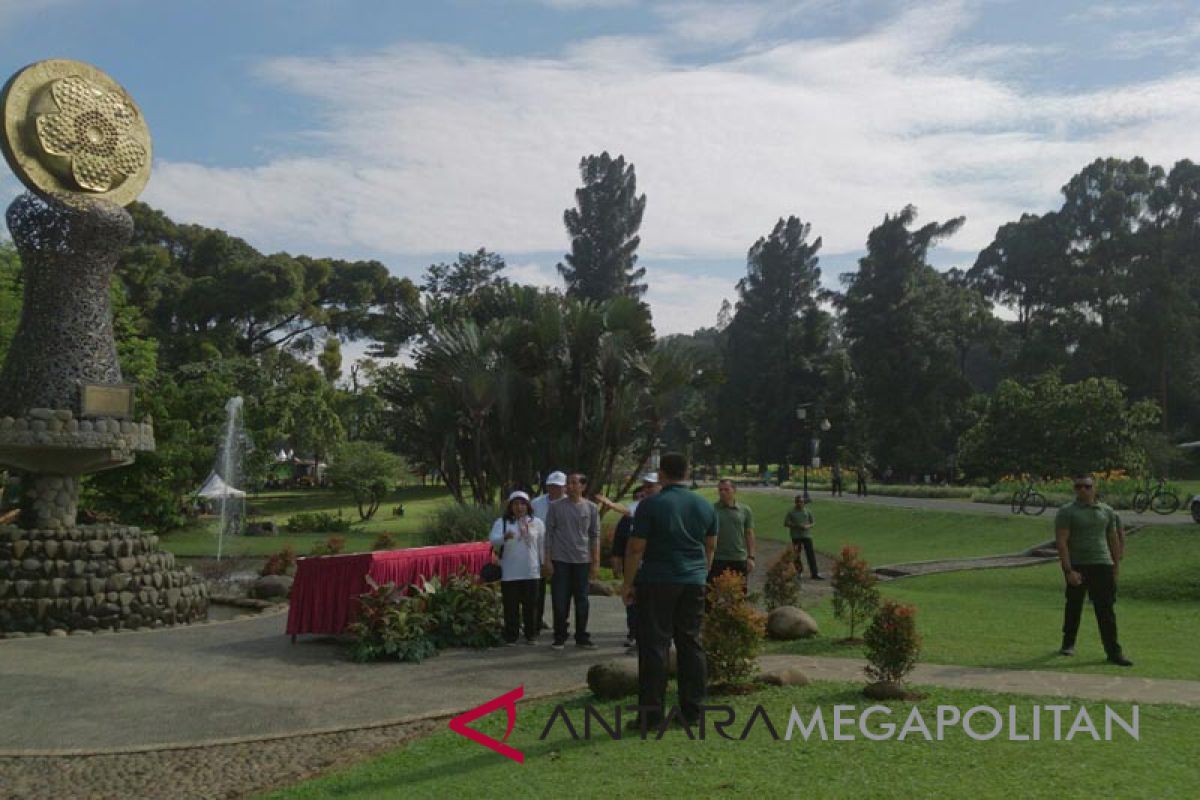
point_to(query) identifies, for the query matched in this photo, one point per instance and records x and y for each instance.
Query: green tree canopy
(603, 226)
(368, 471)
(1048, 428)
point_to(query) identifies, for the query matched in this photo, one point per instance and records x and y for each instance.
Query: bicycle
(1160, 499)
(1028, 501)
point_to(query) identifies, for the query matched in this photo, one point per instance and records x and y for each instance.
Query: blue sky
(410, 131)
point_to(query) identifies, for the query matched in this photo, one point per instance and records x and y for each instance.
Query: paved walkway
(243, 680)
(966, 506)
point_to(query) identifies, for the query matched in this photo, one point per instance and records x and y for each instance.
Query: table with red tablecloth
(325, 587)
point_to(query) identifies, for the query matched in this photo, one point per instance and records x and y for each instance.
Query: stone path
(965, 506)
(230, 709)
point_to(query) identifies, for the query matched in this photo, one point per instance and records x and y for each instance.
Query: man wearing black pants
(674, 538)
(1087, 538)
(573, 551)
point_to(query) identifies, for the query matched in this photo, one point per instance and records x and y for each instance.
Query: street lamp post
(691, 462)
(802, 416)
(708, 452)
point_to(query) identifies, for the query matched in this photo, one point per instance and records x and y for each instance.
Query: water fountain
(79, 144)
(230, 457)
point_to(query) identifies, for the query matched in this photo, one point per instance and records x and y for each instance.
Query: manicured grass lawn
(1011, 618)
(419, 505)
(888, 535)
(1160, 765)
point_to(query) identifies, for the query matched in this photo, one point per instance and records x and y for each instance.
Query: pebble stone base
(92, 578)
(48, 427)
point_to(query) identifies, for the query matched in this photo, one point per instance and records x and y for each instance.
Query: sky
(411, 131)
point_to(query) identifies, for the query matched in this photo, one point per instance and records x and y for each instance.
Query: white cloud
(575, 5)
(433, 149)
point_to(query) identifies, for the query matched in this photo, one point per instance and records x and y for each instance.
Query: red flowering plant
(893, 643)
(854, 594)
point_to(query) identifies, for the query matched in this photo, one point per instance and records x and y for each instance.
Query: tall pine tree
(602, 263)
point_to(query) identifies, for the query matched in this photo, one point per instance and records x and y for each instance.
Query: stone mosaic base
(93, 577)
(59, 428)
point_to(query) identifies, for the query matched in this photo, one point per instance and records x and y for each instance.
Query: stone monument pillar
(79, 143)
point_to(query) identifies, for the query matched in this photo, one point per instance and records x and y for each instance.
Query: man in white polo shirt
(556, 489)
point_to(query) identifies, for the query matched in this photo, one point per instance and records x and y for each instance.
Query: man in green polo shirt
(673, 539)
(799, 522)
(735, 542)
(1088, 549)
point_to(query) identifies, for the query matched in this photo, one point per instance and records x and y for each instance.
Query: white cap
(650, 477)
(518, 495)
(557, 479)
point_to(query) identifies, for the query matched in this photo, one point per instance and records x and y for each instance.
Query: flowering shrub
(281, 563)
(781, 588)
(733, 631)
(892, 642)
(1115, 487)
(332, 546)
(389, 625)
(462, 611)
(384, 541)
(317, 522)
(855, 597)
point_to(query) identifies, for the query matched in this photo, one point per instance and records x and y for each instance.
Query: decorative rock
(600, 589)
(612, 680)
(789, 676)
(58, 632)
(789, 622)
(886, 690)
(269, 587)
(63, 414)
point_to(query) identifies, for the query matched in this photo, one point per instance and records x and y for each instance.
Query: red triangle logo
(507, 701)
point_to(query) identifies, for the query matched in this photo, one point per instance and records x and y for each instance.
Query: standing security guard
(1088, 549)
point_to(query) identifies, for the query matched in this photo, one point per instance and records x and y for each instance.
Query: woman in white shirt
(520, 538)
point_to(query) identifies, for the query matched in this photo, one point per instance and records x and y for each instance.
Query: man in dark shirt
(674, 538)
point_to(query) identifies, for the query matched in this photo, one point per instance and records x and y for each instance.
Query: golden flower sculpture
(92, 129)
(70, 131)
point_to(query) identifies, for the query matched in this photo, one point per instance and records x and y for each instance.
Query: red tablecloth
(325, 587)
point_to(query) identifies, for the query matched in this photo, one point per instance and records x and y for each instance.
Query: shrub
(456, 524)
(781, 588)
(389, 625)
(892, 642)
(855, 597)
(332, 546)
(462, 611)
(281, 563)
(384, 541)
(317, 522)
(733, 631)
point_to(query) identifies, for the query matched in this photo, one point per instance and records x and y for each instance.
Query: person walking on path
(673, 540)
(556, 489)
(520, 538)
(573, 552)
(799, 522)
(835, 480)
(735, 541)
(1089, 550)
(860, 473)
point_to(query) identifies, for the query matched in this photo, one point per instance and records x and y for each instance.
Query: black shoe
(1066, 650)
(818, 577)
(1120, 660)
(558, 644)
(586, 645)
